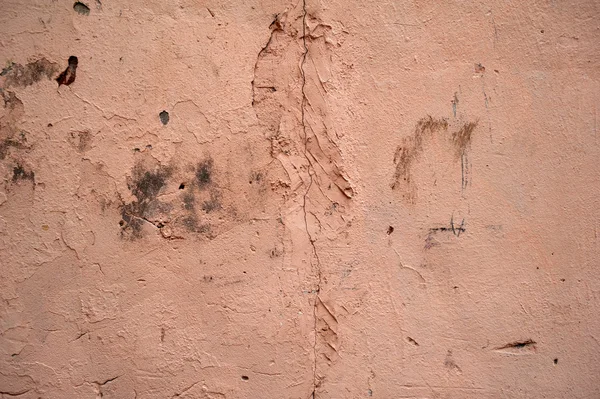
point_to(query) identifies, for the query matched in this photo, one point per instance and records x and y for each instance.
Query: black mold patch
(188, 201)
(212, 204)
(19, 173)
(164, 117)
(26, 75)
(81, 8)
(192, 225)
(8, 143)
(204, 173)
(146, 186)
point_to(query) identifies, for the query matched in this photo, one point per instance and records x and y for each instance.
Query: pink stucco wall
(318, 199)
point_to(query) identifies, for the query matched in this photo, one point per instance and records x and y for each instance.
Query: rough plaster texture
(319, 199)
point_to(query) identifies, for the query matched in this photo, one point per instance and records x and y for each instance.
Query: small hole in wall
(164, 117)
(556, 361)
(245, 378)
(81, 8)
(390, 230)
(182, 186)
(121, 223)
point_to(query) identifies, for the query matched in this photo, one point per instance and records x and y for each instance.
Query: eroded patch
(81, 140)
(9, 132)
(13, 140)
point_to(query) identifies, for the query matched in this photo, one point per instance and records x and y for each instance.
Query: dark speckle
(245, 378)
(164, 117)
(555, 361)
(390, 230)
(19, 173)
(255, 177)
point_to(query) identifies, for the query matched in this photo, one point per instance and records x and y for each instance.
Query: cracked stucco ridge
(317, 290)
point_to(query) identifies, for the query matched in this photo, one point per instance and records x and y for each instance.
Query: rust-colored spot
(412, 146)
(462, 137)
(68, 76)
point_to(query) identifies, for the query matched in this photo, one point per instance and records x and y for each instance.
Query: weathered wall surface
(317, 199)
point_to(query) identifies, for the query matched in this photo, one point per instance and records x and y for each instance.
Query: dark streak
(456, 230)
(19, 393)
(518, 344)
(107, 381)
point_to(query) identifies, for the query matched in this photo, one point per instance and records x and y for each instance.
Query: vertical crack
(305, 197)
